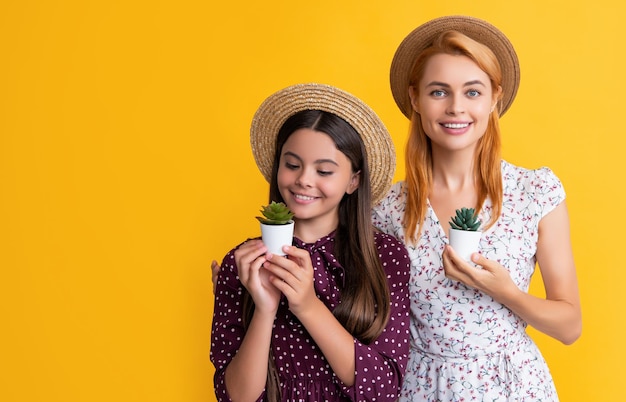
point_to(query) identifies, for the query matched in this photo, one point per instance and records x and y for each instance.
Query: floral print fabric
(464, 345)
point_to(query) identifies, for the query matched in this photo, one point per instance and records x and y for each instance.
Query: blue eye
(438, 93)
(472, 93)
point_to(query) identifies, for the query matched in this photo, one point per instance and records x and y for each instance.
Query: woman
(453, 77)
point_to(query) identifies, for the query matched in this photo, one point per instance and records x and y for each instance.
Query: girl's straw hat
(277, 108)
(424, 35)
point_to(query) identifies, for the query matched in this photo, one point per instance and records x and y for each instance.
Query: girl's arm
(294, 278)
(369, 372)
(559, 314)
(246, 374)
(241, 355)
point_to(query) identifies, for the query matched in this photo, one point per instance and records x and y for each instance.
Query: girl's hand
(493, 279)
(293, 276)
(250, 258)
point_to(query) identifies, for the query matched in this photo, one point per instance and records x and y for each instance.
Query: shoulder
(395, 193)
(391, 204)
(386, 240)
(539, 186)
(392, 252)
(541, 177)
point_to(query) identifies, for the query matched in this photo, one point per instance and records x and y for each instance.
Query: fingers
(457, 268)
(249, 256)
(480, 259)
(292, 271)
(297, 262)
(215, 270)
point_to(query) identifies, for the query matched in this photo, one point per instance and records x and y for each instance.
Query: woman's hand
(215, 271)
(492, 279)
(293, 276)
(250, 258)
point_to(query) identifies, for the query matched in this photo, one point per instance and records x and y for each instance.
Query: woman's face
(313, 176)
(454, 99)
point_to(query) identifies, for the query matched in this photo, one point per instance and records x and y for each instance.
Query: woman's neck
(453, 172)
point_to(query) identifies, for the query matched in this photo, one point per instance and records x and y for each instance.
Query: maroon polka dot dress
(304, 373)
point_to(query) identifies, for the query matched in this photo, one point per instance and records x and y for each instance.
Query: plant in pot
(276, 226)
(464, 232)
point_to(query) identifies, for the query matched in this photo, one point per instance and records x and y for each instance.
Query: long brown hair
(364, 309)
(419, 163)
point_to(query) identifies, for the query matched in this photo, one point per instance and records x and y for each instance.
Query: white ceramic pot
(465, 242)
(276, 236)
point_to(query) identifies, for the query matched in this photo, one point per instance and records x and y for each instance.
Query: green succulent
(275, 213)
(465, 219)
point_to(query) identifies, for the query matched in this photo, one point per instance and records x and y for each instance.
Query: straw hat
(277, 108)
(424, 35)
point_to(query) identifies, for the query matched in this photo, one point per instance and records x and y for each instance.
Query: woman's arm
(559, 314)
(215, 270)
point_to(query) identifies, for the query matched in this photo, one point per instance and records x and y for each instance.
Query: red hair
(419, 163)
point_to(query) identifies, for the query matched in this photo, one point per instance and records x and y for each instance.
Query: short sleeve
(549, 191)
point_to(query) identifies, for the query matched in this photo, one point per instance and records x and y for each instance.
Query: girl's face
(313, 176)
(454, 99)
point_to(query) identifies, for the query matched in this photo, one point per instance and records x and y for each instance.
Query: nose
(455, 105)
(304, 179)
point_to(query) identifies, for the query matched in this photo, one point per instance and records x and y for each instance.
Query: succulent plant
(275, 213)
(465, 219)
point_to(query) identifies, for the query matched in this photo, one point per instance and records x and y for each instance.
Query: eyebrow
(318, 161)
(443, 84)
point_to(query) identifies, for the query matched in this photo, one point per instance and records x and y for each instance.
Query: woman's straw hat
(278, 107)
(423, 36)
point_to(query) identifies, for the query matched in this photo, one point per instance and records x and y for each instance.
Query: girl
(330, 321)
(453, 77)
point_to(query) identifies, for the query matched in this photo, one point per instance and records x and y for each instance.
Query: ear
(354, 182)
(497, 94)
(414, 99)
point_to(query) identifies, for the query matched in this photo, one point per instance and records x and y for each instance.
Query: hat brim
(423, 36)
(277, 108)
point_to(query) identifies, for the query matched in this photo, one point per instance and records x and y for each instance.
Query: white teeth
(456, 125)
(303, 197)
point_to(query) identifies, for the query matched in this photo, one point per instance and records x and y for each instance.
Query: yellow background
(125, 168)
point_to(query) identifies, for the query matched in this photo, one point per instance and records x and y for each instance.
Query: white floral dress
(464, 345)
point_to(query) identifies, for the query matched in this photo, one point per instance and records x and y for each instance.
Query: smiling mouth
(455, 125)
(303, 197)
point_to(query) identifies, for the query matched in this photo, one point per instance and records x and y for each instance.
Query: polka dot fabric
(464, 345)
(304, 373)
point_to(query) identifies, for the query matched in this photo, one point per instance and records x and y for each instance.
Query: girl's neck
(309, 231)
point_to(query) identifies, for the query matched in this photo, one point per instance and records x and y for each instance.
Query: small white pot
(465, 242)
(276, 236)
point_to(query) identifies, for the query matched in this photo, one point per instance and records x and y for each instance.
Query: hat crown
(423, 36)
